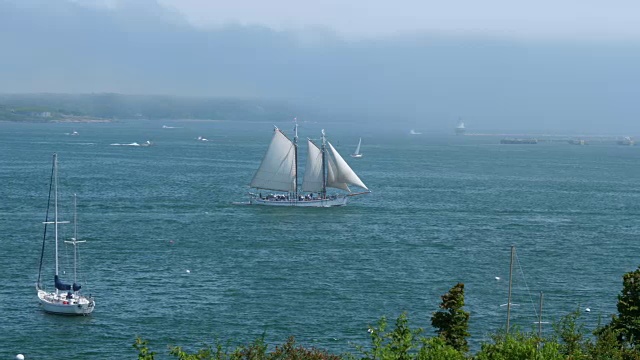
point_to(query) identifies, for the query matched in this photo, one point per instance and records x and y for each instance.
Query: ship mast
(295, 152)
(513, 249)
(74, 240)
(55, 202)
(324, 170)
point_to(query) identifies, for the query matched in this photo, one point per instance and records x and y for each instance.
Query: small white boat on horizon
(148, 143)
(357, 154)
(413, 132)
(460, 129)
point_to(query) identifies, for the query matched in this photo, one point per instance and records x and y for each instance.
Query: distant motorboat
(200, 138)
(626, 141)
(577, 142)
(518, 141)
(413, 132)
(357, 153)
(74, 133)
(148, 143)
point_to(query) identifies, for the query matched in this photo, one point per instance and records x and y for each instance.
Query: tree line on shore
(112, 106)
(619, 339)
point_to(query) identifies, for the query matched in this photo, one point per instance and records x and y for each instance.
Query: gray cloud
(495, 84)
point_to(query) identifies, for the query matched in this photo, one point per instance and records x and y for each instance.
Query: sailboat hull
(330, 202)
(356, 155)
(59, 304)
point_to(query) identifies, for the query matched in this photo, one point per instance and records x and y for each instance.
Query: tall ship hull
(325, 169)
(329, 202)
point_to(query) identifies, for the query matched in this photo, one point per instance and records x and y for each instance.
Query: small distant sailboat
(74, 133)
(460, 129)
(66, 299)
(357, 153)
(413, 132)
(200, 138)
(325, 168)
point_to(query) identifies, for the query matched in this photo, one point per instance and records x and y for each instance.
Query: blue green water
(443, 210)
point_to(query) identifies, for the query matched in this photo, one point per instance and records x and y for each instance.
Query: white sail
(340, 174)
(277, 170)
(312, 180)
(358, 148)
(333, 180)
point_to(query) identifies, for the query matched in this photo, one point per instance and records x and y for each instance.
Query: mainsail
(312, 180)
(339, 173)
(278, 169)
(358, 148)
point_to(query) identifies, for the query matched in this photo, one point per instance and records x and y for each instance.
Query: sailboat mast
(55, 202)
(295, 161)
(75, 238)
(324, 167)
(513, 249)
(540, 317)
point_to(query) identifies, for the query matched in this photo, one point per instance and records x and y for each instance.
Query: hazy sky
(545, 19)
(569, 66)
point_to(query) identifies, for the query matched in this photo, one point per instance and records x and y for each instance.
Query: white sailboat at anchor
(325, 168)
(65, 299)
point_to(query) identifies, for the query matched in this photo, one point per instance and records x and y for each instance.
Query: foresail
(358, 148)
(333, 180)
(277, 170)
(312, 180)
(343, 172)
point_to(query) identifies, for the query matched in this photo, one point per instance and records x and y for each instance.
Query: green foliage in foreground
(451, 322)
(618, 340)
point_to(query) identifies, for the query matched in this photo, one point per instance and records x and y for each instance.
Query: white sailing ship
(357, 153)
(325, 168)
(65, 299)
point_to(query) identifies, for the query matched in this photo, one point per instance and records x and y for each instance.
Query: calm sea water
(444, 209)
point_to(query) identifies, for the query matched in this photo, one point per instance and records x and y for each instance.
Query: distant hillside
(70, 107)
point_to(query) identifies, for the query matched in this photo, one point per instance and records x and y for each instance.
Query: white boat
(65, 299)
(460, 129)
(357, 154)
(413, 132)
(325, 168)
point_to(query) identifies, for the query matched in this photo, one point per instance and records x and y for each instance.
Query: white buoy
(587, 310)
(19, 357)
(497, 277)
(188, 271)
